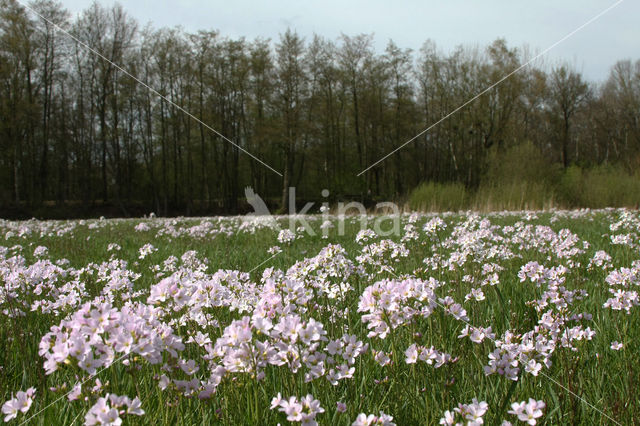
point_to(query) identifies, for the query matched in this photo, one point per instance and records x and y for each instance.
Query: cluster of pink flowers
(433, 226)
(250, 344)
(286, 237)
(304, 410)
(146, 250)
(96, 334)
(628, 225)
(108, 409)
(299, 321)
(389, 304)
(428, 355)
(365, 236)
(117, 280)
(601, 259)
(471, 413)
(381, 419)
(192, 293)
(381, 256)
(328, 272)
(477, 334)
(623, 284)
(44, 286)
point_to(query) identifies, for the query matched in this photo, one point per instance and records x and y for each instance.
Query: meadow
(465, 318)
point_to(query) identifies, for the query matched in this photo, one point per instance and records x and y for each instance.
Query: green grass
(413, 394)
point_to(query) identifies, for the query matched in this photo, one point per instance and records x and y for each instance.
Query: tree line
(75, 130)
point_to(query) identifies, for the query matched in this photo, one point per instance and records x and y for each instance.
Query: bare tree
(567, 94)
(291, 92)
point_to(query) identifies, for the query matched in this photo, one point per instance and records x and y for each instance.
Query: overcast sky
(537, 23)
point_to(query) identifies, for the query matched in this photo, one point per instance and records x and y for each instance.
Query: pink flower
(616, 346)
(76, 392)
(22, 402)
(276, 401)
(189, 367)
(412, 354)
(135, 407)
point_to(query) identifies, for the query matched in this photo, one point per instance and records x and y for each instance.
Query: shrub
(515, 195)
(522, 163)
(520, 178)
(517, 178)
(430, 196)
(571, 188)
(601, 186)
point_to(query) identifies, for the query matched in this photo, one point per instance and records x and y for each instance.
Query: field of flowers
(505, 318)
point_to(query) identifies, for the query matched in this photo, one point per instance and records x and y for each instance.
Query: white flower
(527, 411)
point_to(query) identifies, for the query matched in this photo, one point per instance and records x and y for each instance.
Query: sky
(536, 24)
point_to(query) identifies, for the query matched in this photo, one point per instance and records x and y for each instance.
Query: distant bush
(439, 197)
(570, 188)
(522, 163)
(515, 195)
(517, 178)
(601, 186)
(520, 178)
